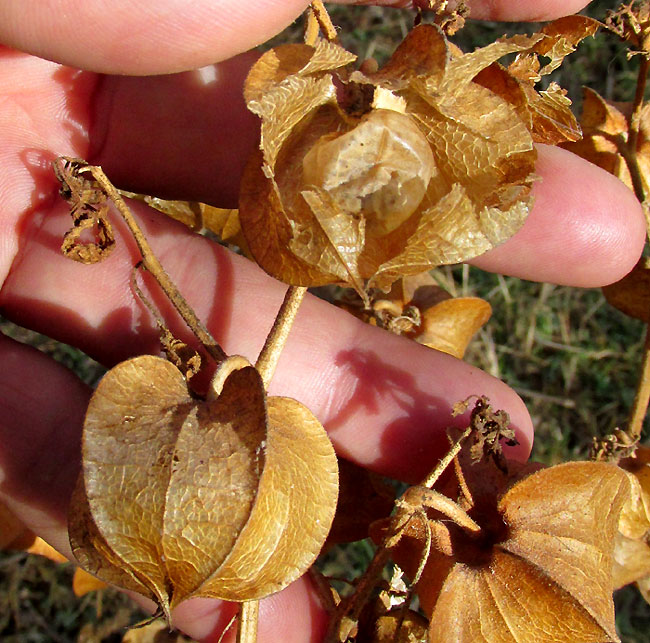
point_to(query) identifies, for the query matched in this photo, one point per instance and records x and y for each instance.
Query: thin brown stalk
(248, 616)
(432, 478)
(323, 18)
(266, 363)
(642, 396)
(277, 337)
(637, 107)
(151, 263)
(350, 609)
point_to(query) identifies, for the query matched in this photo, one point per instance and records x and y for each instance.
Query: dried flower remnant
(363, 177)
(449, 16)
(417, 308)
(228, 498)
(88, 208)
(539, 568)
(631, 22)
(490, 430)
(444, 323)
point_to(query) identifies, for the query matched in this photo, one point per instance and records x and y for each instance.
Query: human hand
(385, 401)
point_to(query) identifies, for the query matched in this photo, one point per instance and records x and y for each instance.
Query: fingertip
(537, 11)
(586, 228)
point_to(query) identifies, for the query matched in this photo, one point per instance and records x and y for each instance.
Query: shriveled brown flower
(363, 177)
(631, 22)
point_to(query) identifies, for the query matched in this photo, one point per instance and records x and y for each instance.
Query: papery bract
(362, 177)
(228, 498)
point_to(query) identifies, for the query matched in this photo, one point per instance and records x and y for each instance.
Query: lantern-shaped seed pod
(365, 177)
(230, 498)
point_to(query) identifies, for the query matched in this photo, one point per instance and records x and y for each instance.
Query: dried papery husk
(320, 204)
(230, 498)
(363, 177)
(632, 551)
(605, 128)
(539, 571)
(631, 295)
(450, 325)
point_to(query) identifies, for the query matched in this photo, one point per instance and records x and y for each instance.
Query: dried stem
(642, 396)
(628, 149)
(270, 354)
(247, 630)
(351, 608)
(454, 450)
(637, 108)
(318, 15)
(151, 263)
(266, 363)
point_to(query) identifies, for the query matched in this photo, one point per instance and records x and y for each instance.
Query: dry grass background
(571, 357)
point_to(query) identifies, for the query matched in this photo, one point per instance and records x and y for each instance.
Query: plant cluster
(368, 177)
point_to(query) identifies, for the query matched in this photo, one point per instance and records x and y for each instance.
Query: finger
(129, 37)
(181, 136)
(586, 228)
(373, 391)
(42, 406)
(294, 615)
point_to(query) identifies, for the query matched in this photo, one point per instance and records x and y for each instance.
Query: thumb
(123, 37)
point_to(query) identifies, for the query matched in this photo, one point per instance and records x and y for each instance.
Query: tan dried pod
(230, 498)
(399, 171)
(632, 551)
(539, 569)
(450, 325)
(363, 177)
